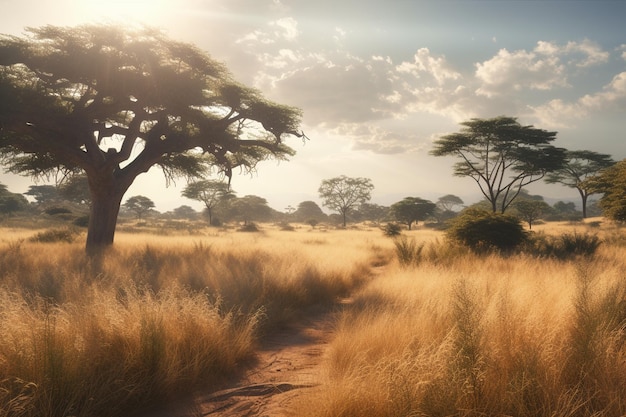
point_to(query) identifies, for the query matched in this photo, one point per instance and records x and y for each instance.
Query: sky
(379, 81)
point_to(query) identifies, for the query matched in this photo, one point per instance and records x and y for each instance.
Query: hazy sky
(378, 81)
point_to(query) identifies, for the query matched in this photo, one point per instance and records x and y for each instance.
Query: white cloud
(546, 67)
(558, 114)
(425, 63)
(286, 28)
(508, 72)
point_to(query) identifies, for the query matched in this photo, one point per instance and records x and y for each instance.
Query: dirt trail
(289, 361)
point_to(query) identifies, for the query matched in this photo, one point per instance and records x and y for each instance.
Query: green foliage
(486, 231)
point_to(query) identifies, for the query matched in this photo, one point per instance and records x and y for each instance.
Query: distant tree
(11, 202)
(184, 212)
(562, 210)
(563, 207)
(209, 192)
(411, 210)
(578, 167)
(309, 210)
(75, 188)
(312, 223)
(449, 202)
(372, 212)
(343, 194)
(501, 155)
(114, 102)
(446, 207)
(250, 208)
(139, 204)
(531, 210)
(43, 193)
(611, 182)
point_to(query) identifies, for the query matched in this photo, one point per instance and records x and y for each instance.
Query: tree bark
(105, 207)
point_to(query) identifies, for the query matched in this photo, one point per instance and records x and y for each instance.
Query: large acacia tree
(113, 103)
(578, 167)
(501, 155)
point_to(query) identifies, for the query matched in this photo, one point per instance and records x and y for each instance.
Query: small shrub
(392, 230)
(82, 221)
(484, 231)
(249, 227)
(409, 252)
(286, 227)
(57, 210)
(566, 246)
(56, 235)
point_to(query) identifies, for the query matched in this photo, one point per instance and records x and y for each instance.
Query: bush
(392, 229)
(409, 251)
(249, 227)
(484, 231)
(56, 235)
(57, 210)
(82, 221)
(568, 245)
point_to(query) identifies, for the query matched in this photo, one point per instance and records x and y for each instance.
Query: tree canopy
(501, 155)
(343, 193)
(139, 204)
(411, 210)
(208, 192)
(114, 102)
(611, 182)
(578, 167)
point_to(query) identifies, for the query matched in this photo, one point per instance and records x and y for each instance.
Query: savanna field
(432, 329)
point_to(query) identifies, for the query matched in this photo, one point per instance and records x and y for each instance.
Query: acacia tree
(113, 103)
(578, 167)
(411, 210)
(501, 155)
(611, 182)
(343, 193)
(531, 210)
(139, 204)
(209, 192)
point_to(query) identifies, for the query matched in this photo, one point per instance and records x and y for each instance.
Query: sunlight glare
(140, 11)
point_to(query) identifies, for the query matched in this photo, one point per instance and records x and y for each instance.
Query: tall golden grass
(458, 334)
(156, 316)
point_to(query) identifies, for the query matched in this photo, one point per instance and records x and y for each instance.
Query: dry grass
(156, 316)
(463, 335)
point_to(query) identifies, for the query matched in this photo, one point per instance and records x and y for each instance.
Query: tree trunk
(105, 207)
(584, 198)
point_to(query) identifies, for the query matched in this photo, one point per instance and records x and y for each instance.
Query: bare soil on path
(288, 361)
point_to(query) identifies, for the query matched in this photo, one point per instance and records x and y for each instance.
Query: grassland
(157, 316)
(450, 333)
(467, 335)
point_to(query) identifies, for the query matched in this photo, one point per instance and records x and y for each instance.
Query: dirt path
(288, 362)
